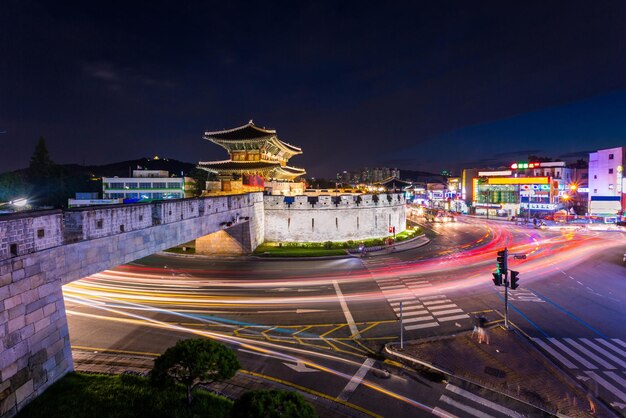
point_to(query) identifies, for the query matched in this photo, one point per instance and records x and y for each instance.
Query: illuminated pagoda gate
(257, 159)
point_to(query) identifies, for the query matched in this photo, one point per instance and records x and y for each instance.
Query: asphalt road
(319, 324)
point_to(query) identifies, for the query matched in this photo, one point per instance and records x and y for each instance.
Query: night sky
(415, 86)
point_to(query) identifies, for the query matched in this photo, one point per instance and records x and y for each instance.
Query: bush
(328, 245)
(272, 404)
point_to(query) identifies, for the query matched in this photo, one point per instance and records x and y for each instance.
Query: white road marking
(344, 306)
(449, 311)
(465, 408)
(433, 297)
(413, 313)
(420, 319)
(400, 286)
(572, 354)
(401, 298)
(555, 354)
(356, 379)
(408, 308)
(408, 302)
(620, 342)
(483, 401)
(446, 306)
(588, 353)
(436, 302)
(452, 318)
(617, 378)
(427, 325)
(443, 413)
(605, 384)
(612, 347)
(604, 352)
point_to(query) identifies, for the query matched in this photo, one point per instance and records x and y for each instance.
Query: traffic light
(501, 260)
(513, 285)
(497, 279)
(390, 229)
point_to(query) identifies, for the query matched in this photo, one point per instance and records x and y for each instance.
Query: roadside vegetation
(80, 395)
(328, 248)
(171, 391)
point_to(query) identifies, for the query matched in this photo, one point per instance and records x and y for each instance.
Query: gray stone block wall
(34, 339)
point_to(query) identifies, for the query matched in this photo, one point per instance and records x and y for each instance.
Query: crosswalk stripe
(617, 378)
(620, 342)
(408, 308)
(436, 302)
(407, 297)
(408, 302)
(465, 408)
(420, 319)
(433, 297)
(554, 353)
(604, 352)
(588, 353)
(443, 413)
(418, 286)
(395, 286)
(572, 354)
(483, 401)
(452, 318)
(418, 326)
(612, 347)
(449, 311)
(449, 305)
(413, 313)
(605, 384)
(415, 281)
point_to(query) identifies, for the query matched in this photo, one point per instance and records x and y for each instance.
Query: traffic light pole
(506, 300)
(501, 278)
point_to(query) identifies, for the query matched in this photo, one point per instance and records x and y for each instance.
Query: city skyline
(407, 85)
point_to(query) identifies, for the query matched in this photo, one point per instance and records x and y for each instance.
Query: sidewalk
(509, 365)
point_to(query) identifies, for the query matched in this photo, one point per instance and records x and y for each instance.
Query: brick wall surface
(34, 338)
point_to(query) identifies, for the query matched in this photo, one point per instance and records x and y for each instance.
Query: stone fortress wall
(332, 218)
(41, 251)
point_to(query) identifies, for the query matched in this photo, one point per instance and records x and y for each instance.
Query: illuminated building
(523, 188)
(607, 185)
(146, 185)
(256, 156)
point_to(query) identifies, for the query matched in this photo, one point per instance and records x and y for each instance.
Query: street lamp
(18, 203)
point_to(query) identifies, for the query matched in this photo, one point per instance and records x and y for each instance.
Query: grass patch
(125, 396)
(292, 251)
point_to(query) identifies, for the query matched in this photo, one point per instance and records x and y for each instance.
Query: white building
(606, 181)
(146, 185)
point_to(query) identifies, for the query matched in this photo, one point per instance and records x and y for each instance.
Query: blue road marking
(524, 316)
(571, 315)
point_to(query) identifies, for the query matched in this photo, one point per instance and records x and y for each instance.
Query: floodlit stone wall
(332, 218)
(41, 251)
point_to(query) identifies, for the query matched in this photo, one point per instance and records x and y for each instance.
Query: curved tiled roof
(238, 165)
(248, 131)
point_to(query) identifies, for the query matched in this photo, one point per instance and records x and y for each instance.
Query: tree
(193, 362)
(200, 177)
(41, 165)
(272, 404)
